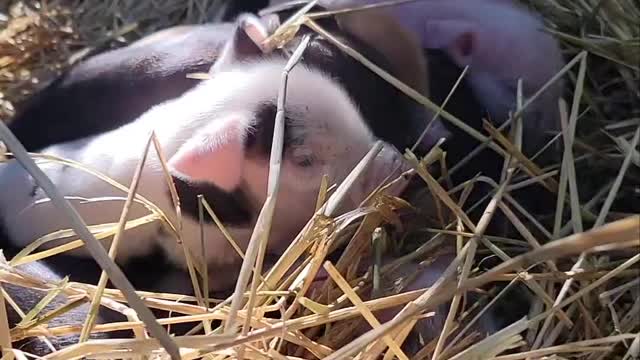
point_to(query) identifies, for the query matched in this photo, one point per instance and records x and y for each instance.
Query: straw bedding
(592, 273)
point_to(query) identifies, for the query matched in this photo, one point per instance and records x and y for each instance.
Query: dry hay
(40, 39)
(590, 271)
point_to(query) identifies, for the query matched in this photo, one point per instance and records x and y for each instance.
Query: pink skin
(194, 161)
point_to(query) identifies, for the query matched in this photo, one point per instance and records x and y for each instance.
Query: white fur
(336, 135)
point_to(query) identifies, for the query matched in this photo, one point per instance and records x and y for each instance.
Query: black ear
(287, 9)
(231, 9)
(245, 43)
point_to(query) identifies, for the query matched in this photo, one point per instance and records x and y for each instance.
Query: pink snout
(387, 166)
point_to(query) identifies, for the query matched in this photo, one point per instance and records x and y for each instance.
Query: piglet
(500, 41)
(115, 87)
(217, 139)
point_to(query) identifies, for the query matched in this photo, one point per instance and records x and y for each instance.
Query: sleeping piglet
(217, 139)
(113, 88)
(500, 41)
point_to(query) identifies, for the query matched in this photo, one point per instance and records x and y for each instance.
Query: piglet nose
(388, 165)
(398, 165)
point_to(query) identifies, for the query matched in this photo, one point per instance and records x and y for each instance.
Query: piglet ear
(215, 155)
(245, 44)
(457, 37)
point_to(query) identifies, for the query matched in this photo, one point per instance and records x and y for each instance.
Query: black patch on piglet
(260, 138)
(390, 114)
(232, 208)
(464, 105)
(27, 298)
(235, 8)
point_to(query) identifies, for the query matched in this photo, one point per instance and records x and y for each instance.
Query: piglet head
(502, 43)
(224, 137)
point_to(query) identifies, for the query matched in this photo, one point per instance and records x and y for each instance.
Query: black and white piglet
(114, 88)
(217, 138)
(109, 90)
(500, 40)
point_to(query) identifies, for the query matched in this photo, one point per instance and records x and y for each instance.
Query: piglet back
(463, 104)
(113, 88)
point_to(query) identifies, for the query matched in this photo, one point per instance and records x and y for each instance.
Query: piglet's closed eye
(215, 156)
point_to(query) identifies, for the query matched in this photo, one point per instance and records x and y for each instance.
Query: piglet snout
(387, 166)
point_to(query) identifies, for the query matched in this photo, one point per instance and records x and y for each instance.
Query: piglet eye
(302, 156)
(304, 161)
